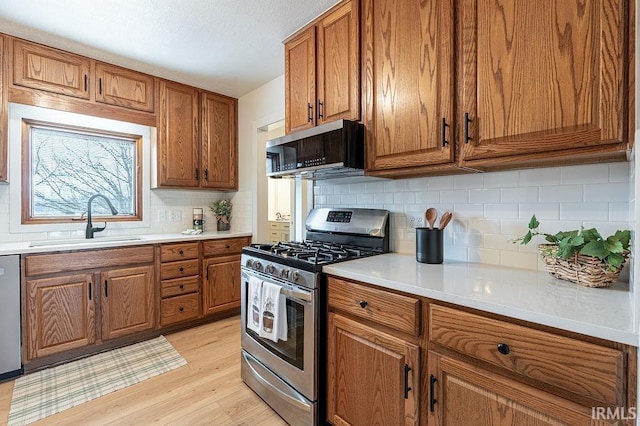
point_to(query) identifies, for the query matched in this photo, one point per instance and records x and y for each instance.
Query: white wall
(256, 110)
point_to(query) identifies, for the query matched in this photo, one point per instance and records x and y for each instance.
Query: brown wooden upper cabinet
(197, 139)
(219, 141)
(408, 84)
(52, 70)
(530, 84)
(542, 79)
(322, 70)
(123, 87)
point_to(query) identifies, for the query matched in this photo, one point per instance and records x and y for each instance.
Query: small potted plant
(221, 209)
(583, 257)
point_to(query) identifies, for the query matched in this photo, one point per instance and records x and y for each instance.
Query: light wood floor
(207, 391)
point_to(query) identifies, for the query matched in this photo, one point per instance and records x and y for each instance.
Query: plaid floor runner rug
(50, 391)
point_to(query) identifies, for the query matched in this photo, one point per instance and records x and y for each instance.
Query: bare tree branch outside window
(67, 168)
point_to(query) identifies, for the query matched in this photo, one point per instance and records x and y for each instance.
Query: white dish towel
(274, 313)
(254, 305)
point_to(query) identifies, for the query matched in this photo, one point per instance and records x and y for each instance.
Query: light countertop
(112, 241)
(533, 296)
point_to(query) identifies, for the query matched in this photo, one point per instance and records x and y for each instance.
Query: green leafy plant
(589, 242)
(221, 209)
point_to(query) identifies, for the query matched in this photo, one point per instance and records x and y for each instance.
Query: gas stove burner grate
(315, 252)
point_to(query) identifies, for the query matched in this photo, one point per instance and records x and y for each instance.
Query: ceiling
(226, 46)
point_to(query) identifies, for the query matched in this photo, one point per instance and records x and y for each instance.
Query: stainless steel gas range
(288, 373)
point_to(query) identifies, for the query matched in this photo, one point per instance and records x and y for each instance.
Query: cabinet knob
(181, 309)
(228, 246)
(363, 304)
(503, 348)
(181, 269)
(181, 286)
(181, 252)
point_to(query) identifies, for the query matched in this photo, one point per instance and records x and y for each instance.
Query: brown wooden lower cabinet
(372, 376)
(60, 314)
(127, 301)
(221, 275)
(463, 394)
(463, 366)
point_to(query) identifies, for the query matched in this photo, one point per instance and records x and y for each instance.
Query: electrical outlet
(415, 219)
(176, 216)
(162, 215)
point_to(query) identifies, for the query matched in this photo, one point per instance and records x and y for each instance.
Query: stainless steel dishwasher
(10, 363)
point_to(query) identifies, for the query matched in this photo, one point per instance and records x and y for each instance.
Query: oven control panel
(279, 271)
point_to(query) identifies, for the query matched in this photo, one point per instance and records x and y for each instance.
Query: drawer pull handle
(181, 286)
(503, 348)
(432, 396)
(363, 304)
(181, 309)
(181, 269)
(181, 252)
(228, 246)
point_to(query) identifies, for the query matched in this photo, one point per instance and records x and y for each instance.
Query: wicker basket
(585, 270)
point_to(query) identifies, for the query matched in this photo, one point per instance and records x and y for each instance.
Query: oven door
(294, 361)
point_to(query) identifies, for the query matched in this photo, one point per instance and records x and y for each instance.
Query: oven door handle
(274, 386)
(295, 294)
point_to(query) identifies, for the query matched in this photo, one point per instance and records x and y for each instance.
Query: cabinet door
(4, 109)
(42, 68)
(125, 88)
(178, 144)
(300, 81)
(127, 301)
(539, 77)
(466, 395)
(221, 284)
(219, 142)
(60, 314)
(339, 65)
(372, 377)
(408, 83)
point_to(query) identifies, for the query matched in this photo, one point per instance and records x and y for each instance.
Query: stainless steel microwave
(327, 151)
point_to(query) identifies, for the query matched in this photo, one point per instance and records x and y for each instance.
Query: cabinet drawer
(389, 309)
(183, 251)
(89, 259)
(180, 269)
(583, 368)
(224, 247)
(179, 286)
(180, 308)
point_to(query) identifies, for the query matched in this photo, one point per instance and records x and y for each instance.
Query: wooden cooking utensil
(430, 216)
(444, 220)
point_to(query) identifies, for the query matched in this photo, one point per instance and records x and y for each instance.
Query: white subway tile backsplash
(454, 196)
(474, 180)
(539, 177)
(584, 211)
(484, 196)
(593, 173)
(519, 195)
(501, 211)
(611, 192)
(491, 209)
(561, 193)
(541, 210)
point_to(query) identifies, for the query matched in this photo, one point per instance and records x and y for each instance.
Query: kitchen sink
(49, 243)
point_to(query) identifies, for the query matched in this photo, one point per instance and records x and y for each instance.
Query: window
(65, 166)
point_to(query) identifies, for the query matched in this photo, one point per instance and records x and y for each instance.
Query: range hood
(328, 151)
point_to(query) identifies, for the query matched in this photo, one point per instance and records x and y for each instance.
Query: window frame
(27, 219)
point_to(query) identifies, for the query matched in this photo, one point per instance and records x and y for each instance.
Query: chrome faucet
(90, 229)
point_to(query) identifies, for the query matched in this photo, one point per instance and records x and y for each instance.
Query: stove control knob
(257, 266)
(284, 273)
(249, 263)
(295, 275)
(269, 269)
